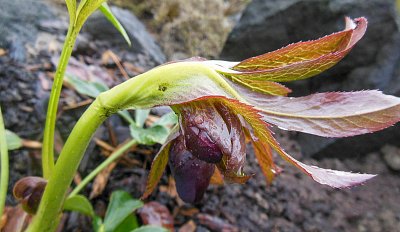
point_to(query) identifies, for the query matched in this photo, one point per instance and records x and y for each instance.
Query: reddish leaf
(334, 114)
(297, 52)
(333, 178)
(337, 179)
(263, 153)
(301, 60)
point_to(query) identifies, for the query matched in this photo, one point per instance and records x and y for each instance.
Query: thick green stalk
(48, 137)
(50, 208)
(4, 165)
(149, 89)
(115, 155)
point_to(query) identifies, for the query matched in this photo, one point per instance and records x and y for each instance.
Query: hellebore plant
(245, 100)
(222, 104)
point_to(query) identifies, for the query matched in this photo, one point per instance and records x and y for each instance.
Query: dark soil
(294, 202)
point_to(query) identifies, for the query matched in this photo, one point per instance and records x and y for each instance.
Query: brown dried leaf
(189, 226)
(101, 180)
(31, 144)
(154, 213)
(109, 54)
(15, 219)
(2, 52)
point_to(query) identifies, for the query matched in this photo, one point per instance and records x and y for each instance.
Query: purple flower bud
(203, 128)
(192, 176)
(234, 159)
(28, 191)
(213, 133)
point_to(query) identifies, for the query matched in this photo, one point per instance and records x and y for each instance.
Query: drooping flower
(222, 104)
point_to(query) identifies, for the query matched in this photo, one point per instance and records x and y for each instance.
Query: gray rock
(142, 42)
(373, 64)
(391, 155)
(19, 21)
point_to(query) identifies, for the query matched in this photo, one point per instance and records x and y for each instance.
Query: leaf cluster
(119, 217)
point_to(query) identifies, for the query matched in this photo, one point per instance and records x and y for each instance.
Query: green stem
(4, 166)
(48, 137)
(49, 211)
(144, 91)
(115, 155)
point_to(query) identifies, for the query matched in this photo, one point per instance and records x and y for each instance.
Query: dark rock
(19, 21)
(373, 63)
(142, 42)
(391, 155)
(18, 98)
(53, 26)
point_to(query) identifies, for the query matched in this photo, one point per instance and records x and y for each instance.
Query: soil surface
(294, 202)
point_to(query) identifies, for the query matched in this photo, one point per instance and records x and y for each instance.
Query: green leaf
(141, 116)
(121, 206)
(157, 133)
(303, 59)
(130, 223)
(105, 9)
(79, 203)
(127, 116)
(167, 119)
(149, 228)
(13, 140)
(149, 136)
(89, 88)
(85, 9)
(93, 89)
(97, 224)
(71, 6)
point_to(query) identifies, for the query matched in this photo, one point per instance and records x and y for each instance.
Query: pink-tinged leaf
(335, 114)
(336, 179)
(333, 178)
(159, 164)
(252, 116)
(301, 60)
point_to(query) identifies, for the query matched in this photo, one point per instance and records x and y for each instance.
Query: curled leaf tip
(28, 191)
